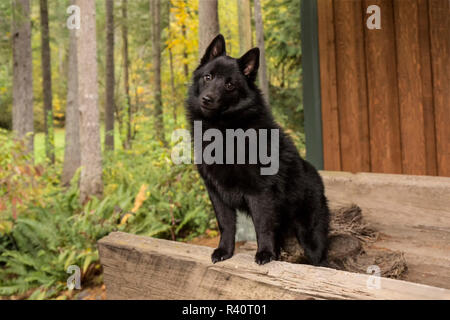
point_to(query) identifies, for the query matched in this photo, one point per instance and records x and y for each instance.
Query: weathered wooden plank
(385, 145)
(410, 87)
(351, 86)
(137, 267)
(330, 117)
(439, 17)
(427, 88)
(411, 212)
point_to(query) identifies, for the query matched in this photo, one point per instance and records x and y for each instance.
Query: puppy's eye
(207, 77)
(229, 86)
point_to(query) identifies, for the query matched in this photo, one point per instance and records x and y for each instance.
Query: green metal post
(311, 84)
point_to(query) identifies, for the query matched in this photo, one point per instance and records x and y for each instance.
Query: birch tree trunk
(72, 153)
(262, 72)
(91, 157)
(245, 26)
(208, 24)
(22, 114)
(109, 74)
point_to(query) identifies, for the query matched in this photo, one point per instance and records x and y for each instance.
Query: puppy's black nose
(207, 99)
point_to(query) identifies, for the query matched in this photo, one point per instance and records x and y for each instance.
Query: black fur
(292, 200)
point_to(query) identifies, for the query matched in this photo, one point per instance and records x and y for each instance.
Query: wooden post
(311, 83)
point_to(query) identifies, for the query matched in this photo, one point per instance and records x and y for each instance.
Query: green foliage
(43, 228)
(49, 239)
(145, 193)
(21, 182)
(282, 35)
(284, 57)
(175, 204)
(5, 66)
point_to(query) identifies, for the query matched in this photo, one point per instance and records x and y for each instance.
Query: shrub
(145, 193)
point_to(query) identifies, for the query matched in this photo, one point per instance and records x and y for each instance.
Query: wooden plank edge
(292, 280)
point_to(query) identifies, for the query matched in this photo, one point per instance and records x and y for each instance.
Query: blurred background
(134, 59)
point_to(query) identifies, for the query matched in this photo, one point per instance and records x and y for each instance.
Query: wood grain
(137, 267)
(410, 87)
(384, 123)
(427, 88)
(411, 212)
(351, 86)
(439, 17)
(330, 116)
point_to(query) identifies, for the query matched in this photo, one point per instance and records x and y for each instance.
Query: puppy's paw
(220, 254)
(264, 257)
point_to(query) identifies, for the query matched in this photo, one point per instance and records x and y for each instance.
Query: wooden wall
(385, 93)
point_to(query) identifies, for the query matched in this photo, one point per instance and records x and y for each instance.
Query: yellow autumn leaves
(140, 198)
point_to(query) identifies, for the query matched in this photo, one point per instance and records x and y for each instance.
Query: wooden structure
(384, 93)
(138, 267)
(411, 213)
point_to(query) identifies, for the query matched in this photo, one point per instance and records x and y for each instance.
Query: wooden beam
(411, 213)
(412, 118)
(439, 19)
(328, 90)
(427, 88)
(384, 121)
(351, 86)
(137, 267)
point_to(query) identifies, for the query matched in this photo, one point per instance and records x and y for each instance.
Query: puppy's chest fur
(234, 182)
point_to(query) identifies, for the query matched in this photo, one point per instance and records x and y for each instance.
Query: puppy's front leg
(264, 218)
(226, 217)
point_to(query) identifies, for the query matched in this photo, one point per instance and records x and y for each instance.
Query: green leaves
(161, 200)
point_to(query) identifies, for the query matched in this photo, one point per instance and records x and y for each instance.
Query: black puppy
(223, 95)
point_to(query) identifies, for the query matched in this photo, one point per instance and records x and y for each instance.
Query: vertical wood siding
(385, 93)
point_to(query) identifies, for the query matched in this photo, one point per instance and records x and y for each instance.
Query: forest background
(74, 169)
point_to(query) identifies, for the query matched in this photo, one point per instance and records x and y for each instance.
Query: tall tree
(126, 66)
(262, 73)
(47, 83)
(245, 26)
(91, 157)
(155, 8)
(172, 85)
(172, 75)
(208, 23)
(109, 74)
(185, 53)
(72, 154)
(22, 114)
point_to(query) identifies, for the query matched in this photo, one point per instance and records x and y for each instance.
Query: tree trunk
(155, 6)
(172, 76)
(263, 83)
(72, 156)
(126, 81)
(172, 84)
(47, 83)
(109, 74)
(245, 26)
(91, 157)
(22, 114)
(208, 23)
(185, 54)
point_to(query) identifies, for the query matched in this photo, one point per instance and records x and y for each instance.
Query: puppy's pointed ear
(214, 50)
(249, 63)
